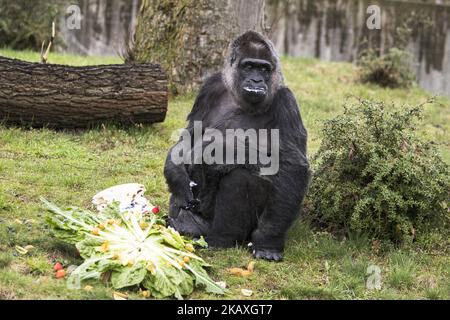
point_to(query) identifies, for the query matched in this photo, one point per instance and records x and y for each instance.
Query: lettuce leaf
(128, 276)
(169, 282)
(138, 250)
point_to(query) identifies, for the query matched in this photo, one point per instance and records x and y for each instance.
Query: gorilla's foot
(189, 224)
(268, 254)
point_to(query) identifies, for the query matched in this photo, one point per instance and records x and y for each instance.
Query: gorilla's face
(252, 72)
(254, 75)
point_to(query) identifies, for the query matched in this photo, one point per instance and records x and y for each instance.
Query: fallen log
(60, 96)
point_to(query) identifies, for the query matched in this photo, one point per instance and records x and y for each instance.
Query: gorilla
(234, 203)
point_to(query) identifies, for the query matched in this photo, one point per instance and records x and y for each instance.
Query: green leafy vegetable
(137, 249)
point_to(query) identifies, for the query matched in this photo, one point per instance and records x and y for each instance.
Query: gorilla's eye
(248, 67)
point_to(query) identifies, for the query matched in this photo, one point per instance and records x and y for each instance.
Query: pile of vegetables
(133, 248)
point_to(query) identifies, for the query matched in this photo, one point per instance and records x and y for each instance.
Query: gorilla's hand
(268, 254)
(189, 224)
(192, 205)
(185, 200)
(263, 247)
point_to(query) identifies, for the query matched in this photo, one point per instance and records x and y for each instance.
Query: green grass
(56, 58)
(69, 167)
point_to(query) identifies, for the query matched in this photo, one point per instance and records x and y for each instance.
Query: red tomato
(60, 274)
(57, 266)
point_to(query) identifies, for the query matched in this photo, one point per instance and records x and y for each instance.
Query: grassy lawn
(70, 167)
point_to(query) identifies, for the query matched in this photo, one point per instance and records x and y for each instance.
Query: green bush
(392, 69)
(374, 176)
(24, 24)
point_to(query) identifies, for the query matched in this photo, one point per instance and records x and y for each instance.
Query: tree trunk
(189, 37)
(60, 96)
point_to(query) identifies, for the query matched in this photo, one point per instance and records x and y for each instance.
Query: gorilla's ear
(234, 48)
(233, 57)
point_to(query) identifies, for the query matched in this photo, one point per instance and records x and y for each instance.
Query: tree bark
(189, 37)
(60, 96)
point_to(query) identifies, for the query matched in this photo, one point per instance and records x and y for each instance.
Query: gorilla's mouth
(257, 91)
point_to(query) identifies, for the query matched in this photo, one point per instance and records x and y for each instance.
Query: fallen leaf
(236, 271)
(246, 292)
(245, 273)
(21, 250)
(29, 247)
(251, 266)
(242, 272)
(88, 288)
(18, 221)
(120, 296)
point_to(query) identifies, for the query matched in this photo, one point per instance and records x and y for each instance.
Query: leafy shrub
(24, 24)
(392, 69)
(373, 175)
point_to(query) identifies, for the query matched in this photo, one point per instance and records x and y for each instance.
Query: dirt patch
(6, 294)
(19, 268)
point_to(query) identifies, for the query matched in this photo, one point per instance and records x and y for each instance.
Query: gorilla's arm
(289, 185)
(178, 181)
(177, 175)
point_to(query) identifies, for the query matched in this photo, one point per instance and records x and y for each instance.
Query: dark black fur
(233, 203)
